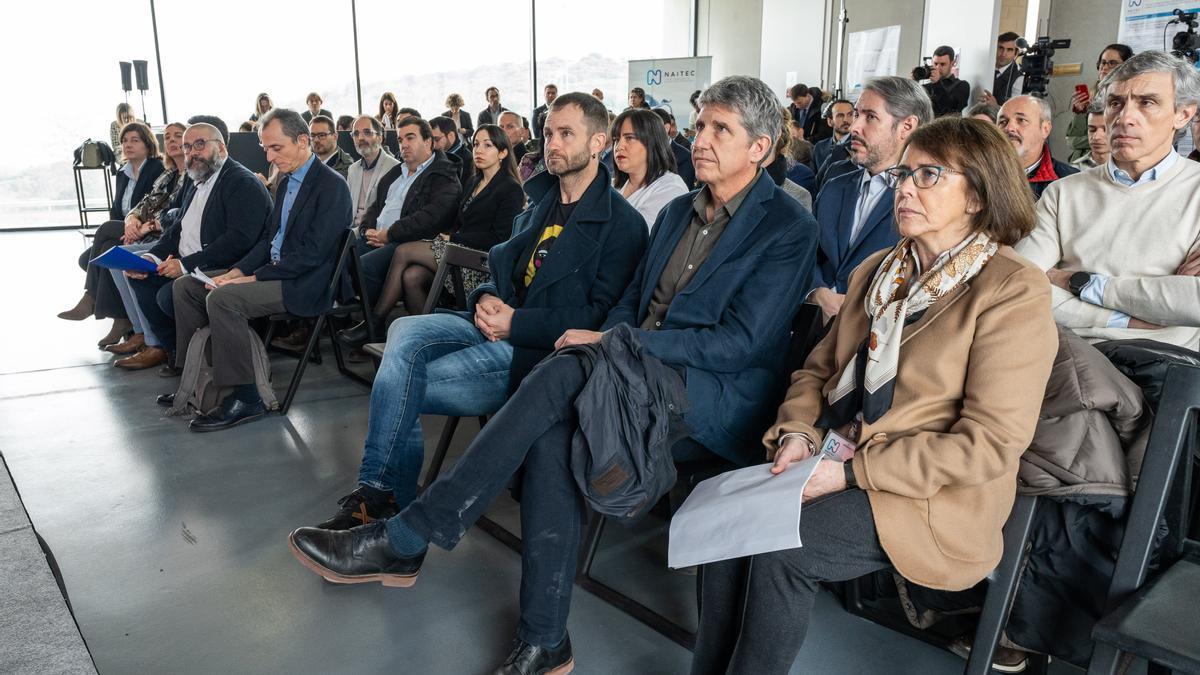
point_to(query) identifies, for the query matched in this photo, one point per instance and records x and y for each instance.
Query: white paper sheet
(203, 277)
(740, 513)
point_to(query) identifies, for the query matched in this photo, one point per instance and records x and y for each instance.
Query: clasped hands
(233, 276)
(829, 477)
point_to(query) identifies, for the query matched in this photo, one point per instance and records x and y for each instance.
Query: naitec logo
(655, 76)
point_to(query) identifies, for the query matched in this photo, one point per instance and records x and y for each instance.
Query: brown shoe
(119, 328)
(130, 346)
(147, 358)
(294, 341)
(82, 309)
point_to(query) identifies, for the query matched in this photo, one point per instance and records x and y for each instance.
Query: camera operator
(948, 93)
(1027, 121)
(1077, 133)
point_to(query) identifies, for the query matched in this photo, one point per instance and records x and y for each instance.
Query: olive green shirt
(692, 250)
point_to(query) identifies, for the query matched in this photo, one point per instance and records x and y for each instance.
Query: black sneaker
(526, 659)
(360, 507)
(1005, 660)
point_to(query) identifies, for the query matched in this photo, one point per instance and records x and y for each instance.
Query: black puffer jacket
(429, 207)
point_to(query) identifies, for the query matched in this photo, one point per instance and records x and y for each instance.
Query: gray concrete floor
(171, 544)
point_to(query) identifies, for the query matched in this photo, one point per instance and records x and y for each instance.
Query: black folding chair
(1158, 622)
(346, 259)
(807, 330)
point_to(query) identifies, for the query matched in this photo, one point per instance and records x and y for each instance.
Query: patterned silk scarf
(868, 382)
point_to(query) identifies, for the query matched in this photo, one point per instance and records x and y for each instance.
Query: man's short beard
(203, 169)
(575, 164)
(372, 149)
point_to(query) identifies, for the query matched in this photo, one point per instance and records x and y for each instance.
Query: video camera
(1186, 43)
(1037, 63)
(923, 71)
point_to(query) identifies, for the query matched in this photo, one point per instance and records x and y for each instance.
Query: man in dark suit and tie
(539, 113)
(839, 115)
(854, 210)
(223, 212)
(287, 270)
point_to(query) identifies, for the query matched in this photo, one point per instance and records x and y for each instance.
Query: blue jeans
(532, 433)
(132, 309)
(436, 364)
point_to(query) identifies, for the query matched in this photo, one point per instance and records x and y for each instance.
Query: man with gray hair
(706, 315)
(1143, 200)
(287, 270)
(854, 209)
(363, 175)
(1027, 121)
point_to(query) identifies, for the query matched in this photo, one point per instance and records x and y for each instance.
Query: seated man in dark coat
(223, 213)
(289, 269)
(712, 299)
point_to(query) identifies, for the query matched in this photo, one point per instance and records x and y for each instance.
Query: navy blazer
(834, 208)
(152, 168)
(232, 222)
(729, 327)
(583, 277)
(321, 213)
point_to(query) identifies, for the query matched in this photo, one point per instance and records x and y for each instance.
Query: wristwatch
(848, 467)
(1077, 281)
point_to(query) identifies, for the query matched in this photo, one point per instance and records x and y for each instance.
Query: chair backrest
(454, 259)
(345, 251)
(808, 327)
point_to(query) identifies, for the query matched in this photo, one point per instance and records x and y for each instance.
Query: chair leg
(301, 365)
(1002, 587)
(591, 544)
(443, 446)
(270, 333)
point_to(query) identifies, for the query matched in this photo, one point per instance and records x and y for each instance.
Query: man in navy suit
(288, 270)
(839, 115)
(712, 299)
(854, 209)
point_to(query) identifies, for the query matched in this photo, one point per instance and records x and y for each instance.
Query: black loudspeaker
(143, 80)
(126, 76)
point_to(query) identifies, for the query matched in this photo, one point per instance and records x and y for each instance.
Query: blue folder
(117, 258)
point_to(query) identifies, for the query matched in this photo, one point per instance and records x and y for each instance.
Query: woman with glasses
(1077, 133)
(928, 385)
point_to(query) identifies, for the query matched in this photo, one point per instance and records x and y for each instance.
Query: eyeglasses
(198, 146)
(924, 176)
(320, 135)
(365, 133)
(1109, 64)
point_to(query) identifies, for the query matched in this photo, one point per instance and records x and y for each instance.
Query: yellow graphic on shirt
(545, 242)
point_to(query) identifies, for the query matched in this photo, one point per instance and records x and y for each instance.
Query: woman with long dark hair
(645, 166)
(388, 111)
(489, 203)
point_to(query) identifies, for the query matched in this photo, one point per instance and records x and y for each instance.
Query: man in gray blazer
(363, 175)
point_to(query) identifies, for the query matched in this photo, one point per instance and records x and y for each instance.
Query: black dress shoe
(355, 336)
(526, 659)
(364, 505)
(170, 371)
(358, 556)
(231, 413)
(165, 400)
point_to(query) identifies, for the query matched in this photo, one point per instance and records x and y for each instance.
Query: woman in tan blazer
(934, 374)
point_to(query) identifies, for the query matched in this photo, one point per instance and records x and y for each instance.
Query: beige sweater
(1138, 236)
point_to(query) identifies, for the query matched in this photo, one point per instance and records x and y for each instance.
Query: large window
(581, 51)
(422, 54)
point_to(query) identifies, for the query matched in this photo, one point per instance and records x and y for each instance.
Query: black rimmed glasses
(198, 146)
(924, 176)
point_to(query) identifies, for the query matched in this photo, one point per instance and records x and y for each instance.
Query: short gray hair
(290, 122)
(1096, 106)
(1043, 103)
(1183, 75)
(902, 97)
(750, 98)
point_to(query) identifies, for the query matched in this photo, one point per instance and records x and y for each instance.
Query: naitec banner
(669, 83)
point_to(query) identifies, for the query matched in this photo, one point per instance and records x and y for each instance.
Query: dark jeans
(374, 267)
(531, 432)
(153, 296)
(97, 280)
(754, 611)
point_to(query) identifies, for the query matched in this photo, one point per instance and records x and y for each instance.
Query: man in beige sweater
(1119, 241)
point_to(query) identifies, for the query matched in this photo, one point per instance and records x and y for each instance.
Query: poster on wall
(1144, 25)
(871, 53)
(669, 83)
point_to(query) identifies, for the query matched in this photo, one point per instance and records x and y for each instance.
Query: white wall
(1091, 25)
(731, 32)
(970, 27)
(869, 14)
(791, 42)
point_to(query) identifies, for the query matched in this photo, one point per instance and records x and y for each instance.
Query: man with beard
(447, 139)
(1027, 121)
(325, 145)
(570, 257)
(363, 175)
(222, 216)
(839, 115)
(711, 302)
(854, 209)
(287, 270)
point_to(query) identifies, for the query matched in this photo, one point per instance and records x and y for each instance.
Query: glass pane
(60, 96)
(423, 56)
(579, 57)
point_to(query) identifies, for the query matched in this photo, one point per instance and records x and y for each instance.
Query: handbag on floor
(198, 394)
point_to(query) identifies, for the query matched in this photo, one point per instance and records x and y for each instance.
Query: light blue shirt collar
(424, 165)
(299, 174)
(1122, 177)
(127, 169)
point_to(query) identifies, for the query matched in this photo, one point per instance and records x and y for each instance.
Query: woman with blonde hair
(460, 117)
(124, 116)
(262, 105)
